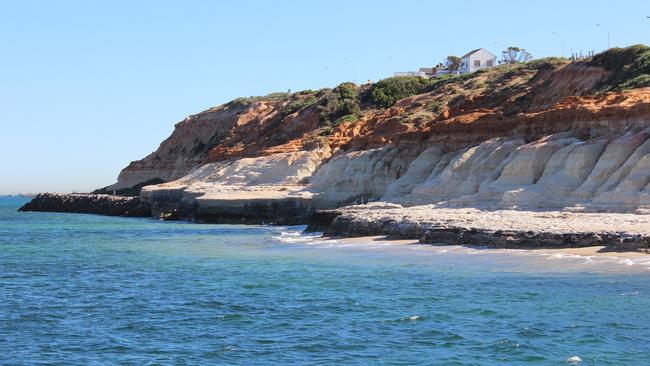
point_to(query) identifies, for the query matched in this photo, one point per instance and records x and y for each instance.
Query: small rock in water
(573, 360)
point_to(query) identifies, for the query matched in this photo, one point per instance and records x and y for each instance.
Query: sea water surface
(84, 289)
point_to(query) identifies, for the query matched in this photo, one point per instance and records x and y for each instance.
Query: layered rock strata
(557, 172)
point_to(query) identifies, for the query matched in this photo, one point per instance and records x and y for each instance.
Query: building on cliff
(472, 61)
(476, 60)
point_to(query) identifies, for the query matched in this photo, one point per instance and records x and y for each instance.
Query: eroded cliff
(547, 134)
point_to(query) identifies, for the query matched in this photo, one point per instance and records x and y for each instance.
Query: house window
(477, 63)
(490, 63)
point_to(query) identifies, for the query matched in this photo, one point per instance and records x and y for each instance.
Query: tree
(453, 63)
(513, 54)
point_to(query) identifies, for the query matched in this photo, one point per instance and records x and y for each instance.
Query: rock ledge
(101, 204)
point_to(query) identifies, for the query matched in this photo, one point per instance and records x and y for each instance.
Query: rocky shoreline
(101, 204)
(508, 229)
(512, 229)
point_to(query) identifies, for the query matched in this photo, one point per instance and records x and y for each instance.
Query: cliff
(547, 135)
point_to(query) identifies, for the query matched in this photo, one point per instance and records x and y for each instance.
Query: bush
(342, 101)
(616, 58)
(385, 93)
(629, 67)
(246, 101)
(296, 105)
(277, 96)
(547, 63)
(640, 81)
(346, 90)
(436, 106)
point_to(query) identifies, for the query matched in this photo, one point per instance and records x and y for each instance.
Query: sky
(88, 86)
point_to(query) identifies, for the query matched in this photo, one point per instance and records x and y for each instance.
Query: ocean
(85, 290)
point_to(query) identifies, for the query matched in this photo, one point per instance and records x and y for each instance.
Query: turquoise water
(84, 289)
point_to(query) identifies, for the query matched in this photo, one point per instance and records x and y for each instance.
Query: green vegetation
(453, 62)
(547, 63)
(640, 81)
(629, 67)
(298, 104)
(245, 101)
(342, 101)
(514, 54)
(385, 93)
(435, 106)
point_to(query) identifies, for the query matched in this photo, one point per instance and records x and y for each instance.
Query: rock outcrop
(266, 189)
(492, 228)
(101, 204)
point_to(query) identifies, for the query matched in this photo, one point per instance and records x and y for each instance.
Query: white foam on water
(543, 260)
(573, 360)
(296, 237)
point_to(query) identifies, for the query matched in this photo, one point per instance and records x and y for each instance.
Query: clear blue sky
(86, 86)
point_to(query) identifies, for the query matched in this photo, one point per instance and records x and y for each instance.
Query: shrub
(346, 90)
(616, 58)
(436, 106)
(277, 96)
(385, 93)
(296, 105)
(640, 81)
(547, 63)
(342, 101)
(245, 101)
(629, 67)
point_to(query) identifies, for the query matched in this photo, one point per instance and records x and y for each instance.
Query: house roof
(476, 50)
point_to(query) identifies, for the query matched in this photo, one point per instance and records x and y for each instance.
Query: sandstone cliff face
(193, 138)
(535, 136)
(557, 171)
(266, 189)
(359, 176)
(183, 150)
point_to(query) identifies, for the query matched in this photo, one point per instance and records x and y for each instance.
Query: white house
(476, 60)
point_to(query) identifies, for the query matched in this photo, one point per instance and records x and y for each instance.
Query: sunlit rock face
(559, 171)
